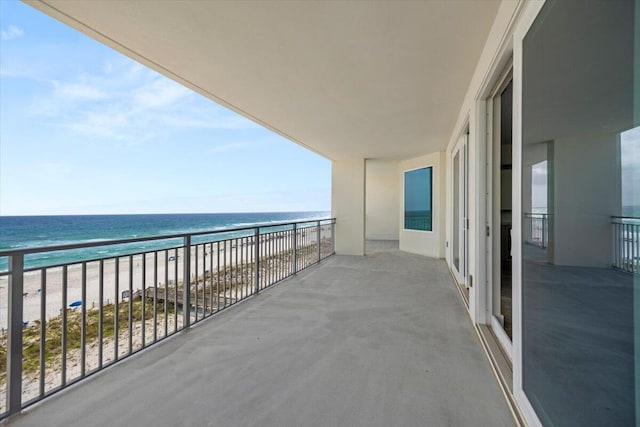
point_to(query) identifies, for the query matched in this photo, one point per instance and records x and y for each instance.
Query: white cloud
(130, 102)
(159, 93)
(79, 91)
(225, 148)
(12, 32)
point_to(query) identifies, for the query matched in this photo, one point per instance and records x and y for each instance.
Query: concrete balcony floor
(381, 340)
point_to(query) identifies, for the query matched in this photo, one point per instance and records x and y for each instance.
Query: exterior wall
(348, 204)
(383, 193)
(427, 243)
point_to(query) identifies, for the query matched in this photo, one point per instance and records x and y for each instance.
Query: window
(417, 199)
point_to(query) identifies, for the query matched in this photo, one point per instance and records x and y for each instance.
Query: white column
(382, 199)
(348, 205)
(585, 180)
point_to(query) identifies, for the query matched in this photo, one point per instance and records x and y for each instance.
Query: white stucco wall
(383, 194)
(427, 243)
(347, 204)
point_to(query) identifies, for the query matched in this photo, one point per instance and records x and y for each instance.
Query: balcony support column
(348, 205)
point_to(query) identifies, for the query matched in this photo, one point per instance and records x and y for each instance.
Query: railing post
(318, 241)
(14, 344)
(333, 237)
(256, 259)
(295, 248)
(544, 244)
(186, 283)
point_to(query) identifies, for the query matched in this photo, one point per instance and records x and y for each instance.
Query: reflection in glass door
(460, 213)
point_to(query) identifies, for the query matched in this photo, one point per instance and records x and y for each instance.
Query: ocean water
(21, 232)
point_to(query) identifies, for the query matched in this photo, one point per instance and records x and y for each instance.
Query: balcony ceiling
(345, 79)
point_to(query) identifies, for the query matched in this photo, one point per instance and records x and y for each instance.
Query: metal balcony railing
(536, 229)
(63, 322)
(626, 243)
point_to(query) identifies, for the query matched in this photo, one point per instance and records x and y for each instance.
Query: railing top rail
(109, 242)
(625, 217)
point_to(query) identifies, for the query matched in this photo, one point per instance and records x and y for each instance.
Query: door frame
(461, 147)
(492, 208)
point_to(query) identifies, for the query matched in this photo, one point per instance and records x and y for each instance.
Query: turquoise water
(21, 232)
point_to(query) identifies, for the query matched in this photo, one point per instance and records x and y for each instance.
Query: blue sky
(85, 130)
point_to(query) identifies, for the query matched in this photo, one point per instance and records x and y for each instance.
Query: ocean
(21, 232)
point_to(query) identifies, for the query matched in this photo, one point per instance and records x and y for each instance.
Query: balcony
(376, 340)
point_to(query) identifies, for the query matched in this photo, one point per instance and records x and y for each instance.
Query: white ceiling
(350, 79)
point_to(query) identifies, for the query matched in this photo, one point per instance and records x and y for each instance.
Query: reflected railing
(536, 229)
(626, 243)
(63, 321)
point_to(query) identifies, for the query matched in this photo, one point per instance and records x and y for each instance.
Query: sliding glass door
(581, 213)
(459, 251)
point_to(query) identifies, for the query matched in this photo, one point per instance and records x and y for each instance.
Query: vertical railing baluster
(613, 243)
(248, 271)
(224, 275)
(270, 256)
(175, 291)
(279, 255)
(186, 283)
(239, 272)
(195, 268)
(204, 280)
(318, 241)
(143, 318)
(274, 257)
(218, 275)
(130, 304)
(63, 343)
(235, 272)
(256, 259)
(43, 327)
(14, 340)
(116, 309)
(617, 244)
(633, 247)
(155, 296)
(333, 237)
(83, 322)
(245, 266)
(242, 293)
(211, 278)
(165, 300)
(100, 312)
(295, 248)
(626, 249)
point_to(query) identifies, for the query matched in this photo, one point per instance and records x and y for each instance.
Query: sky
(86, 130)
